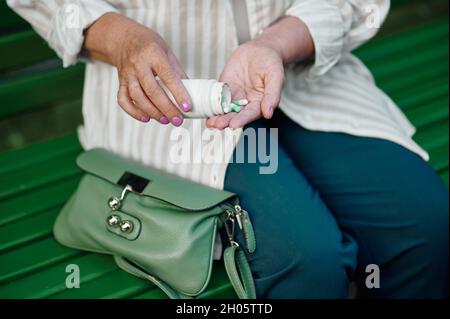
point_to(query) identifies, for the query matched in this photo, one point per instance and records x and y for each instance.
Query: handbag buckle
(115, 202)
(114, 220)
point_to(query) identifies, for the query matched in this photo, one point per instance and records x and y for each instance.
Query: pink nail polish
(176, 121)
(145, 119)
(186, 106)
(164, 120)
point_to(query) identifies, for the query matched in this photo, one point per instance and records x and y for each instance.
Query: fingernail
(271, 112)
(145, 119)
(186, 106)
(176, 121)
(164, 120)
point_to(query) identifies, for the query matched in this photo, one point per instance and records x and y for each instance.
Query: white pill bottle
(208, 98)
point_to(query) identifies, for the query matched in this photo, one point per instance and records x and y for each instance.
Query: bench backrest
(31, 76)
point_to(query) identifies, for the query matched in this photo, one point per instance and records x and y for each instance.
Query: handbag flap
(161, 185)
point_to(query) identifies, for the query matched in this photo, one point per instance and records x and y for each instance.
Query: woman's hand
(140, 55)
(255, 71)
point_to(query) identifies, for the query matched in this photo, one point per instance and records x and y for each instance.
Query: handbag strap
(238, 270)
(128, 267)
(236, 266)
(241, 21)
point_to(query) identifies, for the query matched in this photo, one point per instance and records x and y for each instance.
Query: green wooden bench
(409, 60)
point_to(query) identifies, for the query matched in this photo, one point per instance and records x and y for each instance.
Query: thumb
(272, 95)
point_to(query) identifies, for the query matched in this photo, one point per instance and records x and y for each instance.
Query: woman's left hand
(254, 72)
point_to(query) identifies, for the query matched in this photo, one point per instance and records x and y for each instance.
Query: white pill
(242, 102)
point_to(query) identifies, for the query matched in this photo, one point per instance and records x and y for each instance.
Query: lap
(279, 203)
(292, 224)
(377, 179)
(336, 198)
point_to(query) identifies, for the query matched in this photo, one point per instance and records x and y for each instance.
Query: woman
(352, 189)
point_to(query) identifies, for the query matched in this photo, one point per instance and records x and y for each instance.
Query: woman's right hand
(140, 56)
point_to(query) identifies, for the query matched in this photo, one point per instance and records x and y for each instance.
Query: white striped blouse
(335, 93)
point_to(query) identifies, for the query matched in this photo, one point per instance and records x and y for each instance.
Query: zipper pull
(245, 224)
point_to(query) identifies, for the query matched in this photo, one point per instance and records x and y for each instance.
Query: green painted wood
(15, 50)
(34, 257)
(407, 44)
(31, 203)
(9, 19)
(39, 89)
(28, 179)
(51, 280)
(26, 230)
(39, 153)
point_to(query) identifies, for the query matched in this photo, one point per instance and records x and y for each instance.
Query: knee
(302, 268)
(435, 231)
(428, 215)
(325, 267)
(431, 215)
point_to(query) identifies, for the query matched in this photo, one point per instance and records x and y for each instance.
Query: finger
(272, 95)
(160, 99)
(220, 122)
(125, 103)
(251, 113)
(141, 101)
(211, 122)
(173, 82)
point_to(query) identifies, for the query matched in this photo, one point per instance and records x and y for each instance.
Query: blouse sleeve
(62, 22)
(338, 26)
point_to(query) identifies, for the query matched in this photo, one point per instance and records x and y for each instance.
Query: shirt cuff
(327, 27)
(66, 36)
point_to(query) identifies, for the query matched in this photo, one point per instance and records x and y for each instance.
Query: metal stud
(126, 226)
(114, 203)
(113, 221)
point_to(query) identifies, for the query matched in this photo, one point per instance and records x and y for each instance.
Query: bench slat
(9, 19)
(111, 285)
(15, 50)
(36, 90)
(406, 43)
(30, 178)
(39, 152)
(41, 199)
(26, 230)
(32, 258)
(427, 114)
(51, 280)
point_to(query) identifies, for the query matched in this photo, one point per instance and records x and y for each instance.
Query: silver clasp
(114, 202)
(230, 227)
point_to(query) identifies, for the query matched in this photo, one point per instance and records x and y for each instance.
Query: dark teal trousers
(337, 204)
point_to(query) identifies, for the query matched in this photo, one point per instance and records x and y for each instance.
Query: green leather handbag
(156, 225)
